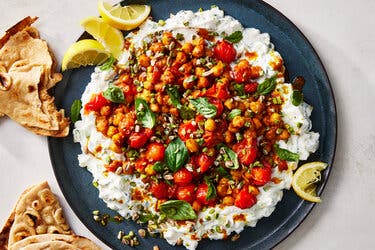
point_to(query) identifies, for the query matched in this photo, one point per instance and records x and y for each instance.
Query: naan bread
(73, 240)
(50, 245)
(27, 72)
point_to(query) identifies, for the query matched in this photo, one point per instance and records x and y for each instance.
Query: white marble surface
(343, 34)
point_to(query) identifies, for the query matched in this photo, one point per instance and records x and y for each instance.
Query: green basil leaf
(223, 173)
(211, 192)
(231, 155)
(203, 107)
(107, 65)
(144, 113)
(297, 97)
(234, 113)
(158, 167)
(176, 154)
(267, 86)
(177, 210)
(114, 94)
(285, 154)
(235, 37)
(74, 110)
(239, 88)
(174, 96)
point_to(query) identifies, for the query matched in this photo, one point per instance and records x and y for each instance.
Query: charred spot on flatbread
(27, 72)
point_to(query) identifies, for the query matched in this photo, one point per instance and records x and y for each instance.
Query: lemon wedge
(84, 52)
(123, 17)
(111, 38)
(305, 180)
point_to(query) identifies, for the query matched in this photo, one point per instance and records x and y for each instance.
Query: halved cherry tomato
(186, 130)
(225, 51)
(205, 162)
(219, 106)
(186, 193)
(202, 195)
(250, 87)
(155, 151)
(159, 190)
(219, 91)
(139, 139)
(246, 150)
(261, 175)
(96, 103)
(182, 177)
(244, 199)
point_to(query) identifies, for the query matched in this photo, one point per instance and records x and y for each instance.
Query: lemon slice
(83, 53)
(305, 179)
(111, 38)
(123, 17)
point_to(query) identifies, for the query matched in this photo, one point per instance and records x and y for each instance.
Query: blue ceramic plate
(300, 59)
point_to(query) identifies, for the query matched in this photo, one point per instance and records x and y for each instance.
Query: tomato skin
(225, 51)
(159, 190)
(139, 139)
(205, 162)
(185, 130)
(172, 191)
(261, 175)
(155, 151)
(96, 103)
(156, 74)
(246, 150)
(186, 193)
(201, 194)
(250, 87)
(245, 199)
(182, 177)
(219, 106)
(219, 91)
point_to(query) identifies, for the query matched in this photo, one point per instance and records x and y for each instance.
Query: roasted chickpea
(229, 104)
(174, 111)
(203, 82)
(117, 118)
(210, 125)
(257, 123)
(198, 51)
(149, 170)
(228, 200)
(167, 77)
(181, 57)
(275, 118)
(238, 121)
(192, 145)
(144, 60)
(228, 137)
(284, 135)
(218, 69)
(199, 71)
(112, 130)
(148, 85)
(115, 148)
(255, 107)
(187, 48)
(156, 47)
(154, 107)
(102, 124)
(167, 38)
(186, 68)
(118, 138)
(196, 206)
(222, 187)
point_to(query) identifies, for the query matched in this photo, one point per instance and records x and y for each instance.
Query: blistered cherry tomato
(159, 190)
(225, 51)
(96, 103)
(139, 139)
(182, 177)
(141, 164)
(186, 193)
(246, 150)
(219, 91)
(155, 151)
(219, 106)
(250, 87)
(201, 194)
(205, 162)
(261, 175)
(186, 130)
(245, 199)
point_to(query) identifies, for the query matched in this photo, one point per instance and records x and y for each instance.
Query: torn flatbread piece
(37, 212)
(72, 240)
(27, 72)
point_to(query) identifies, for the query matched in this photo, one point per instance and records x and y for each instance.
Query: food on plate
(27, 72)
(38, 218)
(83, 53)
(306, 178)
(194, 130)
(110, 37)
(123, 17)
